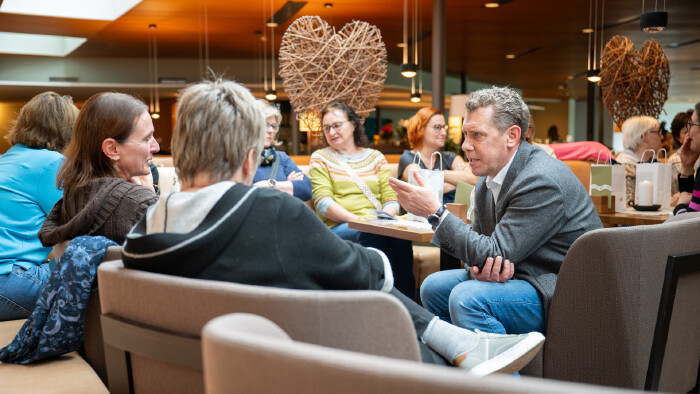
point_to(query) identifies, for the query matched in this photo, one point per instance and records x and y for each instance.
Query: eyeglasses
(440, 127)
(657, 131)
(691, 124)
(68, 98)
(273, 126)
(335, 126)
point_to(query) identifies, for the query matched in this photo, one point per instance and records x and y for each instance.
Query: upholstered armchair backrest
(364, 321)
(245, 353)
(603, 313)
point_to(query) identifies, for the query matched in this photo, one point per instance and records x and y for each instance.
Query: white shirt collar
(494, 184)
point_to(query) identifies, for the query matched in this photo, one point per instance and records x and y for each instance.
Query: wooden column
(295, 132)
(438, 58)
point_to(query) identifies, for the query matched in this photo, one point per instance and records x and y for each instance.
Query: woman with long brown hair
(106, 178)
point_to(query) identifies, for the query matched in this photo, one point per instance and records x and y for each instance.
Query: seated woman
(639, 134)
(689, 153)
(220, 228)
(106, 177)
(426, 134)
(28, 192)
(679, 130)
(277, 170)
(351, 182)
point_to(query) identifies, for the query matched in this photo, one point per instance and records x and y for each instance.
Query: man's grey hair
(217, 123)
(509, 109)
(633, 128)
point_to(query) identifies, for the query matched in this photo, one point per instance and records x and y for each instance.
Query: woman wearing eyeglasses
(688, 180)
(277, 170)
(351, 181)
(639, 134)
(679, 130)
(28, 191)
(426, 134)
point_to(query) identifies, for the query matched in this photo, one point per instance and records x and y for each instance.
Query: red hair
(417, 123)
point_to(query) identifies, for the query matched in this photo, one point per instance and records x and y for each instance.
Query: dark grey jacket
(542, 209)
(260, 237)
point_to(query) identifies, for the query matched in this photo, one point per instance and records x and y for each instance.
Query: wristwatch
(434, 219)
(271, 183)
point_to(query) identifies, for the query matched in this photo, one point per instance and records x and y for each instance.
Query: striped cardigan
(330, 183)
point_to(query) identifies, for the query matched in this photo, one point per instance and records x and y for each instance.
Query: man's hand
(418, 200)
(688, 157)
(492, 272)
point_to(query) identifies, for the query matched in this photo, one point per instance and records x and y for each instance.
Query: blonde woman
(277, 170)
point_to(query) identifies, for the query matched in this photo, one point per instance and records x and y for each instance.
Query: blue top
(408, 158)
(302, 188)
(28, 192)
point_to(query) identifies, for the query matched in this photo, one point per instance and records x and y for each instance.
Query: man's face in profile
(485, 146)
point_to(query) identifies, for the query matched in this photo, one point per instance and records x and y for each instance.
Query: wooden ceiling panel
(477, 38)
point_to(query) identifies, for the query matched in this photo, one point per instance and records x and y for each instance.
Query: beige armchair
(245, 353)
(603, 314)
(151, 324)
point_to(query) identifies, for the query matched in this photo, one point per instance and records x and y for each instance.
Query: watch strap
(434, 219)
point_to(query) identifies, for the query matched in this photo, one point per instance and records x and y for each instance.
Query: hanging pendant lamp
(653, 22)
(154, 96)
(408, 70)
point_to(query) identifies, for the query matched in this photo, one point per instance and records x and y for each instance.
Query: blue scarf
(268, 156)
(55, 327)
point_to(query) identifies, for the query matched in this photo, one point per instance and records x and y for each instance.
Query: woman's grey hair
(270, 109)
(509, 109)
(633, 128)
(217, 123)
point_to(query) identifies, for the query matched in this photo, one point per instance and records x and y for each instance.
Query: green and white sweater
(331, 183)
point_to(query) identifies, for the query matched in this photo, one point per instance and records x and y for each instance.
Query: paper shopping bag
(653, 185)
(609, 180)
(433, 179)
(653, 182)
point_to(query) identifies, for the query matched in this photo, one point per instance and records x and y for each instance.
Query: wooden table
(411, 234)
(391, 229)
(631, 218)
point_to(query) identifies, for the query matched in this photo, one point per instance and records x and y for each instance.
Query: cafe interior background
(153, 48)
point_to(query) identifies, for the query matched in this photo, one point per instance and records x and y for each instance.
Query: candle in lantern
(646, 193)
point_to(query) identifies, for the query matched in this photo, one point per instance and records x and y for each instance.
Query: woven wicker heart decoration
(319, 66)
(633, 83)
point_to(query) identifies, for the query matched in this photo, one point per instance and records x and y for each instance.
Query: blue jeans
(513, 307)
(398, 251)
(344, 232)
(20, 289)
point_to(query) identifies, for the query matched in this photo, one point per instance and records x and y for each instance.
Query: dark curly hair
(678, 123)
(358, 134)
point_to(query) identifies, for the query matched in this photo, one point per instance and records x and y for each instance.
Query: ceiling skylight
(38, 44)
(107, 10)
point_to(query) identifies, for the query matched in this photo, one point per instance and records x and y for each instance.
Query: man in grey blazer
(529, 209)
